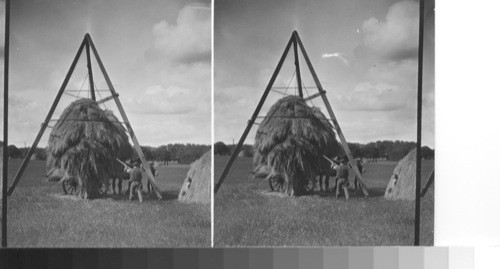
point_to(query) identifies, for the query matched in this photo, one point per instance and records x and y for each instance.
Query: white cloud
(376, 97)
(189, 40)
(397, 37)
(337, 55)
(183, 89)
(160, 100)
(395, 72)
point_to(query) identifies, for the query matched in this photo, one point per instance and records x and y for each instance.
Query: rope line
(79, 90)
(290, 82)
(292, 117)
(103, 103)
(283, 87)
(283, 93)
(82, 86)
(88, 120)
(307, 92)
(72, 95)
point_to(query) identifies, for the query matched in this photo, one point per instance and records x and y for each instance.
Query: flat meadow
(246, 213)
(39, 215)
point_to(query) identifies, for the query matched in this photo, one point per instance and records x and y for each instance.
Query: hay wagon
(71, 186)
(276, 180)
(277, 183)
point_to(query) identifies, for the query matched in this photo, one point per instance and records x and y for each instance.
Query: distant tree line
(389, 150)
(180, 153)
(222, 149)
(19, 153)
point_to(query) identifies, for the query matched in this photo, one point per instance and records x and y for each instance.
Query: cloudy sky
(364, 52)
(157, 54)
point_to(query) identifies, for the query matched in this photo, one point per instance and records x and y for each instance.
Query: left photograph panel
(109, 123)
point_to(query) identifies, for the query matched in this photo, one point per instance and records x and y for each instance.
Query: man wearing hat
(342, 178)
(135, 180)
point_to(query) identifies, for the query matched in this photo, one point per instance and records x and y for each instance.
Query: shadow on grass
(151, 196)
(372, 192)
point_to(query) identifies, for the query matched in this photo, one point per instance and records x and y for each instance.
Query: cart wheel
(70, 186)
(310, 186)
(104, 189)
(276, 183)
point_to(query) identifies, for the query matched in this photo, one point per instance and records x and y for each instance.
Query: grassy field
(246, 214)
(40, 216)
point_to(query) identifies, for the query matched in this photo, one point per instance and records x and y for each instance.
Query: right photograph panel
(316, 123)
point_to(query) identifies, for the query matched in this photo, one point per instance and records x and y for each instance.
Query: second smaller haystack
(402, 183)
(196, 187)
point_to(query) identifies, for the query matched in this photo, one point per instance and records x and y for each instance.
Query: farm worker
(127, 167)
(333, 172)
(342, 178)
(334, 167)
(356, 179)
(135, 181)
(153, 171)
(328, 172)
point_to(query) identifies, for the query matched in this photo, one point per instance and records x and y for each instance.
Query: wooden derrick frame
(297, 44)
(89, 46)
(295, 40)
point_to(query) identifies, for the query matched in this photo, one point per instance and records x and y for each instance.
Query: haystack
(196, 187)
(402, 183)
(291, 142)
(83, 144)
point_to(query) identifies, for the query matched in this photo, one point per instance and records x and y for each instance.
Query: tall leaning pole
(5, 161)
(419, 123)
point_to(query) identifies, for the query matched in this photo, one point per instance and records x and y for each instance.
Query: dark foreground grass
(40, 216)
(246, 214)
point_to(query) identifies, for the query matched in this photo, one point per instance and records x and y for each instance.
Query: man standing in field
(342, 178)
(135, 181)
(357, 186)
(154, 172)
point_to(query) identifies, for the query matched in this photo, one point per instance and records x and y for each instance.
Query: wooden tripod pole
(332, 116)
(297, 67)
(137, 146)
(89, 67)
(252, 120)
(47, 120)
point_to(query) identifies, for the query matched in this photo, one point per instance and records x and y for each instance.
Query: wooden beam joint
(111, 97)
(318, 94)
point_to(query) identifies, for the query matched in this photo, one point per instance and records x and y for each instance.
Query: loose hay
(196, 187)
(402, 183)
(291, 141)
(84, 143)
